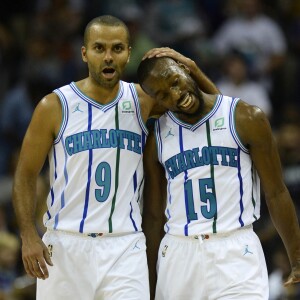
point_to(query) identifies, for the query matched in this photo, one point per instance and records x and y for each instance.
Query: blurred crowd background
(249, 48)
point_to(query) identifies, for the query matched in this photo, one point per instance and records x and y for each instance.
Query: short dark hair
(104, 20)
(147, 65)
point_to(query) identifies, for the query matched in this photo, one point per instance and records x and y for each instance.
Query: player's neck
(98, 93)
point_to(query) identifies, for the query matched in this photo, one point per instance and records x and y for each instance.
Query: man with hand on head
(203, 166)
(93, 132)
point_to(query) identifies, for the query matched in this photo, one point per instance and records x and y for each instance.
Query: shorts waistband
(212, 236)
(91, 234)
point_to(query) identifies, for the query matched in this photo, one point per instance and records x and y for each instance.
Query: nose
(176, 90)
(108, 56)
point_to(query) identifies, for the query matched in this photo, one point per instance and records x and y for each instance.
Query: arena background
(40, 44)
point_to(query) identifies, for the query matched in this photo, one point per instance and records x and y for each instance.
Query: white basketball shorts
(95, 268)
(217, 267)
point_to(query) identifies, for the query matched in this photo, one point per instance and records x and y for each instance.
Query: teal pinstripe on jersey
(212, 184)
(99, 149)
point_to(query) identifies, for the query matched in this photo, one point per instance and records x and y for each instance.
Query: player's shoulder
(247, 113)
(142, 95)
(50, 103)
(47, 114)
(146, 102)
(49, 108)
(251, 122)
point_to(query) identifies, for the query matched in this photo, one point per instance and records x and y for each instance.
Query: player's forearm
(284, 217)
(204, 83)
(153, 232)
(24, 189)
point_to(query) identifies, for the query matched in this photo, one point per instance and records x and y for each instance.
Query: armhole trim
(158, 140)
(233, 125)
(138, 108)
(65, 114)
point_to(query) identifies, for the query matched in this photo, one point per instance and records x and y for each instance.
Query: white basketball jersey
(96, 171)
(212, 184)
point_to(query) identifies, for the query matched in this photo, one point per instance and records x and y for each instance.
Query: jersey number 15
(207, 198)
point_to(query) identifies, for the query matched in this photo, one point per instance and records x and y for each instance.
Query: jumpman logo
(247, 251)
(136, 245)
(77, 108)
(169, 133)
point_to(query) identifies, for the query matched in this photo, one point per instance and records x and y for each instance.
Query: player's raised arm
(255, 132)
(204, 83)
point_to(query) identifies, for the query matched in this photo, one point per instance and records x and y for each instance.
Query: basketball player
(203, 167)
(93, 132)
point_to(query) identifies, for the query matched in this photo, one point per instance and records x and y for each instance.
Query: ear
(184, 67)
(83, 54)
(129, 53)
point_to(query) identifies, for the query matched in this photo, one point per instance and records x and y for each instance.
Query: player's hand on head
(158, 52)
(35, 256)
(168, 52)
(165, 52)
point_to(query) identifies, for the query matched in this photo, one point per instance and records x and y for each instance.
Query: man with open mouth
(93, 132)
(203, 163)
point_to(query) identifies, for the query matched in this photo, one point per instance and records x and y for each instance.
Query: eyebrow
(168, 72)
(165, 74)
(118, 43)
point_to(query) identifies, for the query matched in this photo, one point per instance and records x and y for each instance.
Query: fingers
(168, 52)
(35, 265)
(28, 268)
(35, 257)
(288, 282)
(42, 270)
(159, 52)
(291, 280)
(36, 268)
